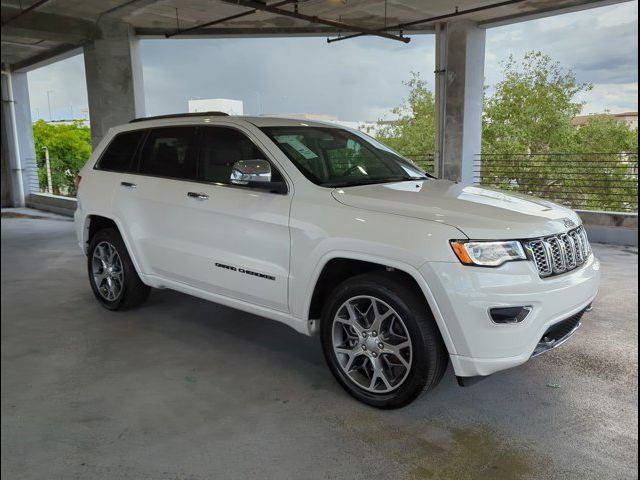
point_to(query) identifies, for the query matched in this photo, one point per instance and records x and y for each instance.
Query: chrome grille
(569, 250)
(559, 253)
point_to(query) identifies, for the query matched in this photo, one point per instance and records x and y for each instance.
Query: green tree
(531, 109)
(413, 133)
(602, 133)
(69, 148)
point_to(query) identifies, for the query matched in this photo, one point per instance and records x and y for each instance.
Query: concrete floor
(185, 389)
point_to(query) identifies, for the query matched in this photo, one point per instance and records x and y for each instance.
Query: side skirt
(297, 324)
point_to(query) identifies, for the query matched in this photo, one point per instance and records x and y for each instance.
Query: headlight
(488, 254)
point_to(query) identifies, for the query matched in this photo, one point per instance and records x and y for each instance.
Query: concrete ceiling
(52, 28)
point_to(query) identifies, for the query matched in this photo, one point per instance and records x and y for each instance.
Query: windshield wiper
(370, 181)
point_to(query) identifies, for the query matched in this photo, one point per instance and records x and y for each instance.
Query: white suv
(330, 232)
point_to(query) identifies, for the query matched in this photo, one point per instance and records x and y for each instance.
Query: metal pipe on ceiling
(225, 19)
(437, 18)
(31, 7)
(313, 19)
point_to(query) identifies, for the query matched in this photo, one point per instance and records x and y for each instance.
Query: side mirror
(245, 171)
(255, 174)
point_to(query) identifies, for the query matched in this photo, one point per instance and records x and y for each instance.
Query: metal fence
(426, 161)
(586, 181)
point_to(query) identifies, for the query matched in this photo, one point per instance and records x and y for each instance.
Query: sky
(355, 80)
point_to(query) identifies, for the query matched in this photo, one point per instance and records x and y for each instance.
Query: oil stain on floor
(427, 450)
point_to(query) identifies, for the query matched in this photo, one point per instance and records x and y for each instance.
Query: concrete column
(459, 91)
(114, 78)
(18, 153)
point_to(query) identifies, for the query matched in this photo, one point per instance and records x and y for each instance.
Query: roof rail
(179, 115)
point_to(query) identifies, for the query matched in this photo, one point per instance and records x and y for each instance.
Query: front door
(240, 242)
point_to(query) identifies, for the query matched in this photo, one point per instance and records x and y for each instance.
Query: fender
(387, 262)
(121, 231)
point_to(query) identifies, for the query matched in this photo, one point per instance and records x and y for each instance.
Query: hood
(480, 213)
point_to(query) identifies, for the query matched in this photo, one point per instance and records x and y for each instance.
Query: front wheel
(380, 340)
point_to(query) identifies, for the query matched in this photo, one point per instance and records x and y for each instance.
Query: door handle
(198, 196)
(128, 184)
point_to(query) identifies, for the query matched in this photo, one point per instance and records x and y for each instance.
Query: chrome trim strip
(543, 347)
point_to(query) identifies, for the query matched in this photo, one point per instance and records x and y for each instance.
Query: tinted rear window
(118, 156)
(169, 152)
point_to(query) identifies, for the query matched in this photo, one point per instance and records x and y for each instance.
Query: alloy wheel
(371, 343)
(107, 271)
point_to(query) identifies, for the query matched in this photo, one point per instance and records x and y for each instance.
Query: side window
(220, 148)
(169, 152)
(118, 156)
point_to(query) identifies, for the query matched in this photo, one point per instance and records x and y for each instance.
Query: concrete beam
(47, 26)
(114, 78)
(47, 58)
(459, 92)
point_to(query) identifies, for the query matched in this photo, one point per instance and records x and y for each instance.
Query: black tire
(132, 292)
(429, 356)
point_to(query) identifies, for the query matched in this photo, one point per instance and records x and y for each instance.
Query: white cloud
(615, 97)
(599, 45)
(65, 82)
(617, 14)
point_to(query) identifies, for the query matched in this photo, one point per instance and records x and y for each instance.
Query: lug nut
(364, 334)
(364, 347)
(374, 334)
(381, 345)
(374, 354)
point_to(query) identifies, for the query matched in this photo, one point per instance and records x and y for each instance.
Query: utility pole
(49, 92)
(258, 103)
(48, 167)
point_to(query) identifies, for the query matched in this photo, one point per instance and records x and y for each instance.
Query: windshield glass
(334, 157)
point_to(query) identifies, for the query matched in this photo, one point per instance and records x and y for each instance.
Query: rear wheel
(381, 341)
(113, 278)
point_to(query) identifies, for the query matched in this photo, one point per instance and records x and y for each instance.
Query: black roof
(180, 115)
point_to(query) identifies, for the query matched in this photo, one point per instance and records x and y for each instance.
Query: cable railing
(583, 181)
(426, 161)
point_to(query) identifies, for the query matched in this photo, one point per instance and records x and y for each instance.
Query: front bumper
(464, 295)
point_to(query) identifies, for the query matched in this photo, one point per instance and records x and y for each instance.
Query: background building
(630, 118)
(226, 105)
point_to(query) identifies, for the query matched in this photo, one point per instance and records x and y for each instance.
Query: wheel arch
(94, 222)
(338, 267)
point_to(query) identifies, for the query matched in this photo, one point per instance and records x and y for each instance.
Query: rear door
(152, 203)
(101, 187)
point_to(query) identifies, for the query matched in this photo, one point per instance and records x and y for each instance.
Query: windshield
(334, 157)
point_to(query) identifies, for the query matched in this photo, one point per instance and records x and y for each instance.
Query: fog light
(509, 314)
